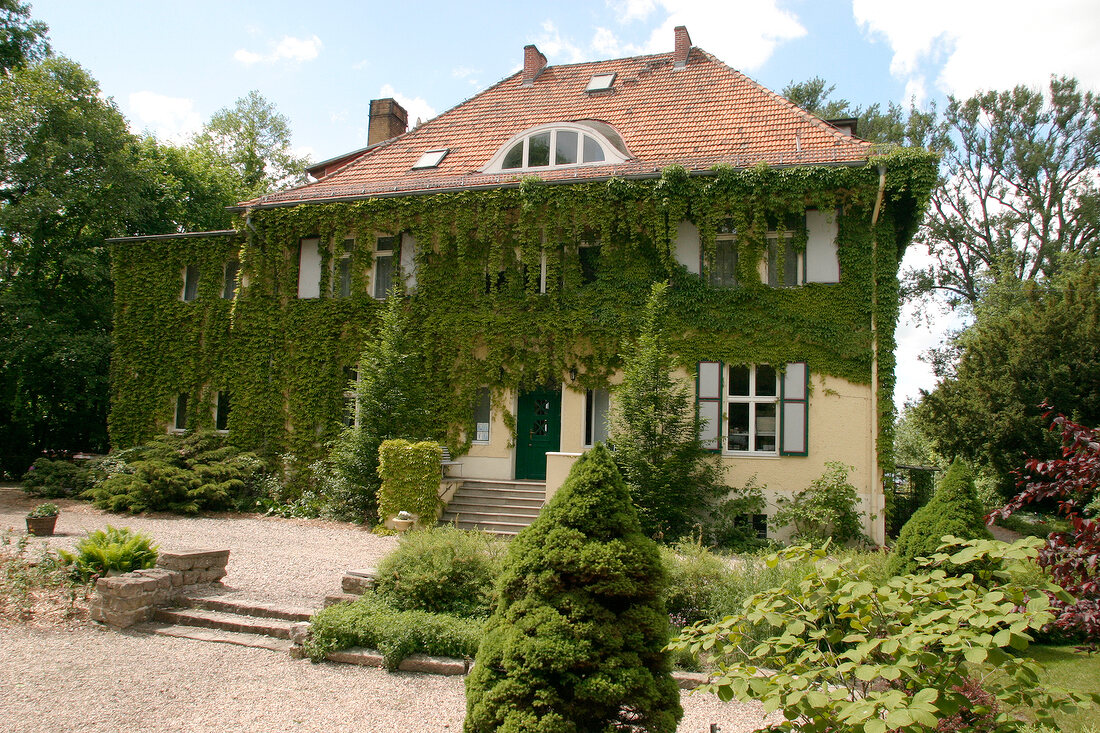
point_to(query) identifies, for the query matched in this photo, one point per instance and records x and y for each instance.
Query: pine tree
(575, 640)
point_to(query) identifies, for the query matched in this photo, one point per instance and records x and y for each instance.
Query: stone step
(496, 527)
(496, 499)
(276, 628)
(488, 515)
(217, 636)
(461, 507)
(245, 608)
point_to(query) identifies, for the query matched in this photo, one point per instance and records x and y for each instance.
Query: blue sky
(170, 66)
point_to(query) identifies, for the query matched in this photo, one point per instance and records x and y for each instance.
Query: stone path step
(217, 636)
(276, 628)
(247, 608)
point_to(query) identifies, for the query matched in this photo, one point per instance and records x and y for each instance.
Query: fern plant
(121, 550)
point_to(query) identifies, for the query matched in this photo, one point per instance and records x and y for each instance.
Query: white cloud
(970, 46)
(628, 10)
(465, 72)
(171, 119)
(607, 45)
(556, 48)
(415, 106)
(288, 49)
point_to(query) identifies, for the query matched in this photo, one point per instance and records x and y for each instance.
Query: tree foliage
(253, 138)
(953, 510)
(1045, 348)
(575, 641)
(904, 656)
(895, 124)
(1072, 483)
(655, 431)
(22, 40)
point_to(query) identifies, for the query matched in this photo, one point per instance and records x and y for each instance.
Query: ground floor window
(179, 422)
(482, 416)
(350, 415)
(596, 405)
(221, 412)
(753, 409)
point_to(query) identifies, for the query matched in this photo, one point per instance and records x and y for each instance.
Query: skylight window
(432, 158)
(600, 82)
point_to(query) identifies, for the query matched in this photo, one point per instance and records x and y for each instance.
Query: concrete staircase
(500, 507)
(257, 625)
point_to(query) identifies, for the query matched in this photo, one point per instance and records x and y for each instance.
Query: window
(221, 412)
(383, 266)
(589, 255)
(179, 422)
(309, 268)
(723, 273)
(600, 82)
(561, 144)
(190, 283)
(783, 267)
(232, 274)
(431, 159)
(790, 263)
(341, 281)
(760, 411)
(350, 415)
(822, 263)
(758, 523)
(482, 416)
(752, 394)
(596, 406)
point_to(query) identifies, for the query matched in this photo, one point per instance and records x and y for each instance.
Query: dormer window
(556, 145)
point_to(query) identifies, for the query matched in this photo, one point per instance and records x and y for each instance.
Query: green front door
(538, 431)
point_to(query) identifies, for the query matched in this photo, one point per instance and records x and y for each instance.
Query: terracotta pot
(41, 526)
(402, 525)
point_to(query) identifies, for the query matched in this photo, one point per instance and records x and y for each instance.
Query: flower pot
(402, 525)
(41, 526)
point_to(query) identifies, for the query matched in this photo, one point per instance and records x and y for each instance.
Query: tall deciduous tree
(655, 431)
(22, 40)
(254, 139)
(1019, 199)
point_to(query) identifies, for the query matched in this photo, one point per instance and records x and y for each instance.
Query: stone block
(176, 578)
(191, 559)
(370, 573)
(356, 584)
(212, 575)
(356, 655)
(118, 604)
(191, 577)
(130, 585)
(432, 665)
(333, 598)
(162, 576)
(123, 619)
(299, 631)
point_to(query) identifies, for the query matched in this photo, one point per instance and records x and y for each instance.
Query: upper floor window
(559, 144)
(341, 271)
(383, 266)
(190, 283)
(232, 279)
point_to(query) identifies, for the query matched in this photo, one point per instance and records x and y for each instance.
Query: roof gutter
(509, 184)
(181, 235)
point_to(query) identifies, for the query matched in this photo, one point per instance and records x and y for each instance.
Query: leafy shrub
(695, 580)
(43, 510)
(51, 479)
(578, 628)
(731, 526)
(373, 623)
(120, 550)
(953, 510)
(442, 570)
(410, 479)
(824, 511)
(845, 654)
(1072, 482)
(38, 586)
(186, 475)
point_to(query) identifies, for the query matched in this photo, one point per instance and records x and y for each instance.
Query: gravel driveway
(86, 679)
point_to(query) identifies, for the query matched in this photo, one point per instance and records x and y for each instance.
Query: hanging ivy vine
(481, 257)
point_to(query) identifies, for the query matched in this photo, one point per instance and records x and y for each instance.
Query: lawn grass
(1070, 669)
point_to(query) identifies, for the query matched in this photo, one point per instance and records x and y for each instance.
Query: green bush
(695, 581)
(410, 479)
(731, 527)
(953, 510)
(373, 623)
(51, 479)
(845, 654)
(442, 570)
(825, 511)
(575, 642)
(120, 550)
(185, 475)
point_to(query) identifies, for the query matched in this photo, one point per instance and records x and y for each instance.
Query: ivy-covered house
(526, 225)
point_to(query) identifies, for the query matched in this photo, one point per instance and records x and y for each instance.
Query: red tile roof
(698, 116)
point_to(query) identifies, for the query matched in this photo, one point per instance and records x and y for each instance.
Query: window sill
(749, 454)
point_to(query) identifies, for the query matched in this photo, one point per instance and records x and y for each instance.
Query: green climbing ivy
(477, 310)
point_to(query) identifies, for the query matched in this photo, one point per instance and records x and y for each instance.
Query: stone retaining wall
(130, 598)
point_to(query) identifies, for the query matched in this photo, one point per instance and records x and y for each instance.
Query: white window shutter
(822, 264)
(309, 269)
(709, 403)
(795, 401)
(687, 246)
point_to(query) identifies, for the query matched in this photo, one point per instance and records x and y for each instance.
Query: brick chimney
(533, 64)
(683, 47)
(388, 119)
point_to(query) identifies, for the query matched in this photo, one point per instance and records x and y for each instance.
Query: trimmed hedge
(410, 479)
(953, 510)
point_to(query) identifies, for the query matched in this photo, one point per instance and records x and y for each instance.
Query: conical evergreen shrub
(575, 640)
(953, 510)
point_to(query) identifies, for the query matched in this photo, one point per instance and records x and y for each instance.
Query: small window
(483, 416)
(431, 159)
(232, 274)
(538, 150)
(350, 416)
(221, 412)
(190, 283)
(596, 405)
(567, 144)
(600, 82)
(180, 420)
(593, 152)
(723, 273)
(752, 409)
(514, 158)
(341, 284)
(589, 256)
(383, 266)
(565, 148)
(791, 263)
(757, 522)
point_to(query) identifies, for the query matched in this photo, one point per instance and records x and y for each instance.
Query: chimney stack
(683, 47)
(388, 119)
(533, 64)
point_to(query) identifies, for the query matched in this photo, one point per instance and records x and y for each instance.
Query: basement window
(432, 158)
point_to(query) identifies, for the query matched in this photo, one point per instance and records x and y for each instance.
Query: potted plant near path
(42, 519)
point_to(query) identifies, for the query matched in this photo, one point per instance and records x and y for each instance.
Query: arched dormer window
(559, 144)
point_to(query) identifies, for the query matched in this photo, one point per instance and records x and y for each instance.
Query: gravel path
(86, 679)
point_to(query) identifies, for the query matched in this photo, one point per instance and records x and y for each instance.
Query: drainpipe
(877, 507)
